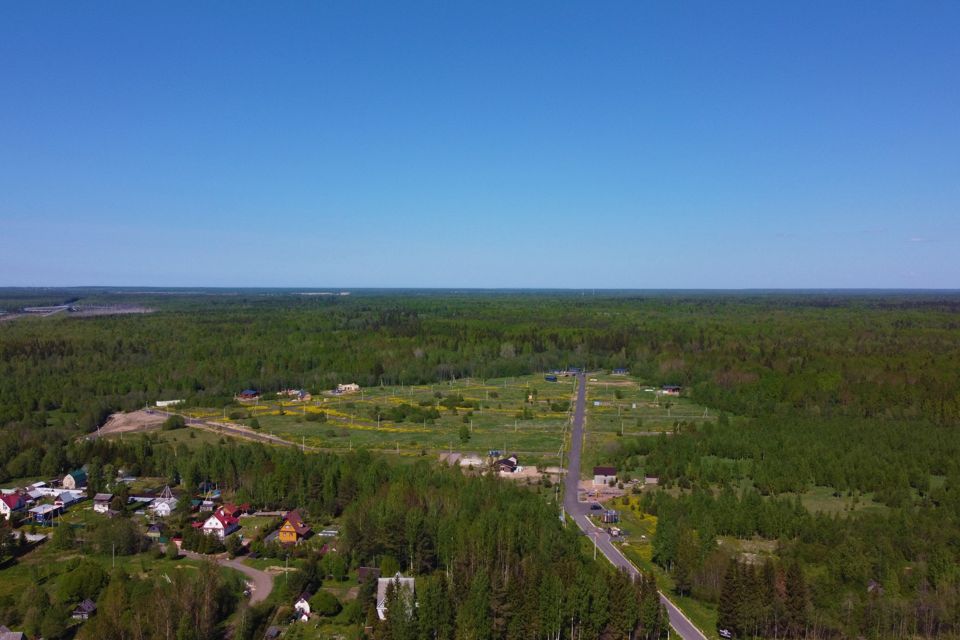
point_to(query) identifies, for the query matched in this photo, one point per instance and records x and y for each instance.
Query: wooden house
(101, 502)
(75, 479)
(293, 528)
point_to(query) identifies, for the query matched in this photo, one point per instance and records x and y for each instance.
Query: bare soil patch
(134, 421)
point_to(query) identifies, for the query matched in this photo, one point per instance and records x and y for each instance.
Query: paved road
(261, 582)
(579, 510)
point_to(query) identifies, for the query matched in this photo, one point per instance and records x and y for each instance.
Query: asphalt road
(261, 582)
(579, 510)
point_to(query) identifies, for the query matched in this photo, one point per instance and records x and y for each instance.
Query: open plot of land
(617, 404)
(826, 500)
(525, 415)
(131, 422)
(44, 565)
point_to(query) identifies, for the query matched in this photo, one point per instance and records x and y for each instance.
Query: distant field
(626, 405)
(525, 415)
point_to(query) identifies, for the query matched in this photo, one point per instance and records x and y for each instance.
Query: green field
(44, 565)
(631, 407)
(524, 415)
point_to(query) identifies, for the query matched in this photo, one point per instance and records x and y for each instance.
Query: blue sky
(483, 144)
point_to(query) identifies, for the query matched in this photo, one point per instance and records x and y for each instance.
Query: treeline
(895, 459)
(879, 357)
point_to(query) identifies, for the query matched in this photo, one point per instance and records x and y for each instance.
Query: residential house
(66, 499)
(219, 525)
(155, 531)
(507, 465)
(11, 502)
(604, 475)
(168, 403)
(293, 528)
(44, 513)
(101, 502)
(163, 506)
(302, 606)
(383, 583)
(233, 510)
(621, 372)
(75, 479)
(347, 388)
(84, 610)
(299, 395)
(671, 389)
(6, 634)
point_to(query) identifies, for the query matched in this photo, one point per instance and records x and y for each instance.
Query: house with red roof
(219, 524)
(10, 502)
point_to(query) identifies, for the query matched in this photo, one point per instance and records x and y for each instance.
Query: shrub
(174, 422)
(325, 603)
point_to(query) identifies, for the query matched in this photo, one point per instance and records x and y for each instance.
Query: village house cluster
(41, 502)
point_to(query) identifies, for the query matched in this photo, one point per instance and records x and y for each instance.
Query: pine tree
(730, 597)
(796, 600)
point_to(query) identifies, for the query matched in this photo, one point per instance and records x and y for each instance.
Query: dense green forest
(819, 355)
(856, 393)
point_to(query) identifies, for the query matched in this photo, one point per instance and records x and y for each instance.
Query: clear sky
(481, 144)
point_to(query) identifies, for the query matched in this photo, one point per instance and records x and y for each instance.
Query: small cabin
(604, 475)
(101, 502)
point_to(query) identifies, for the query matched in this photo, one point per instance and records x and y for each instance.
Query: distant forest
(857, 393)
(815, 355)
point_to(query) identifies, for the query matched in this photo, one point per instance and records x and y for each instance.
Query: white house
(604, 475)
(6, 634)
(406, 584)
(9, 503)
(302, 607)
(219, 525)
(168, 403)
(163, 506)
(101, 502)
(352, 387)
